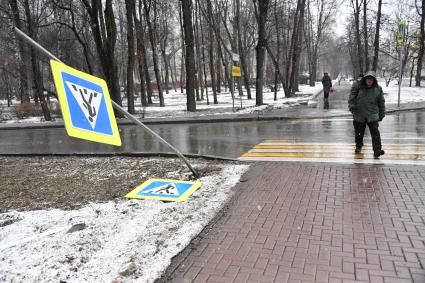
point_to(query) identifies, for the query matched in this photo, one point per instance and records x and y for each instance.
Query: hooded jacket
(367, 104)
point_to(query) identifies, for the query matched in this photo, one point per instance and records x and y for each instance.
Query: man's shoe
(358, 149)
(378, 153)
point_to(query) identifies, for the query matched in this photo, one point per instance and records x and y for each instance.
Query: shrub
(27, 109)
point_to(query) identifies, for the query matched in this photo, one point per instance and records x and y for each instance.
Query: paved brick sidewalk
(314, 223)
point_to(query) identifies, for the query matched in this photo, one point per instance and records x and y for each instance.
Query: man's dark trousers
(360, 127)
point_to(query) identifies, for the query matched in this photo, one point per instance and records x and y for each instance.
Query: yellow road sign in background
(236, 71)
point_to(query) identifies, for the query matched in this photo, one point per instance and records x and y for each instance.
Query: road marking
(282, 150)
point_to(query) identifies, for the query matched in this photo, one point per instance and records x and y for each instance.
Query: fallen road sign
(165, 189)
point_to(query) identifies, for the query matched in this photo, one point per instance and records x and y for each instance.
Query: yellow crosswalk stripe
(285, 150)
(296, 146)
(328, 155)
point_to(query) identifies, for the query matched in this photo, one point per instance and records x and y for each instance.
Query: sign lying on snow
(86, 106)
(164, 189)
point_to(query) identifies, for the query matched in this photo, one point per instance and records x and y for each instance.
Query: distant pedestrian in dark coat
(327, 85)
(367, 104)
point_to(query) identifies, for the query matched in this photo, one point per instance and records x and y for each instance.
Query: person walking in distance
(327, 85)
(367, 104)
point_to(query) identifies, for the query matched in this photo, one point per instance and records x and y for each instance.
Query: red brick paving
(315, 223)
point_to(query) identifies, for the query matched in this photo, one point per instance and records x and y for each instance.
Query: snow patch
(129, 240)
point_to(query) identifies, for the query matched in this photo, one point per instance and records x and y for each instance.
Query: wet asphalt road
(220, 139)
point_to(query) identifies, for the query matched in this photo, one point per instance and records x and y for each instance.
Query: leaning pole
(116, 106)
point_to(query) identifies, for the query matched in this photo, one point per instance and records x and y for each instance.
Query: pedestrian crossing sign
(86, 106)
(165, 189)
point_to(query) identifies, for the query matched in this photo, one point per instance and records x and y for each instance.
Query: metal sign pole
(401, 73)
(114, 104)
(401, 38)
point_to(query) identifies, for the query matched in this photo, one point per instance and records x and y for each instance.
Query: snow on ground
(407, 94)
(175, 104)
(130, 240)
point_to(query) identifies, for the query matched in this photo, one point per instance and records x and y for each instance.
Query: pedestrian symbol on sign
(168, 189)
(88, 99)
(164, 189)
(86, 105)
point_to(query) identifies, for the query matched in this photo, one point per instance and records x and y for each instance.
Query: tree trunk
(183, 57)
(199, 80)
(104, 32)
(376, 43)
(242, 55)
(263, 7)
(36, 74)
(190, 54)
(129, 6)
(140, 59)
(358, 39)
(211, 55)
(292, 74)
(153, 47)
(174, 69)
(203, 44)
(365, 36)
(23, 85)
(421, 46)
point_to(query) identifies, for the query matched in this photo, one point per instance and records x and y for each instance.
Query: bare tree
(356, 12)
(190, 54)
(377, 33)
(421, 50)
(365, 36)
(263, 9)
(148, 5)
(36, 73)
(129, 6)
(23, 86)
(105, 34)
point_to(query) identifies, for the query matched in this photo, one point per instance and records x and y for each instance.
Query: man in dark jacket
(367, 104)
(327, 84)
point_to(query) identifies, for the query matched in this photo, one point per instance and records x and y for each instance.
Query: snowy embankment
(175, 104)
(407, 94)
(126, 240)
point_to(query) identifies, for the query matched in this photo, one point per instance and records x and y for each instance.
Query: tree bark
(421, 46)
(153, 47)
(211, 54)
(23, 85)
(190, 54)
(140, 59)
(377, 32)
(358, 39)
(36, 74)
(129, 6)
(365, 36)
(263, 8)
(295, 49)
(104, 32)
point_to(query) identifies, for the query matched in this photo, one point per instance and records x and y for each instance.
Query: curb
(119, 154)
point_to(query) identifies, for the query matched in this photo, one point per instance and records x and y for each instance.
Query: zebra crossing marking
(282, 150)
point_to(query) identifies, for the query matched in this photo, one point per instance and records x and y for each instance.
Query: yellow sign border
(57, 69)
(184, 197)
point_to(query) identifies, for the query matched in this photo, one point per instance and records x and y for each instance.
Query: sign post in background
(401, 40)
